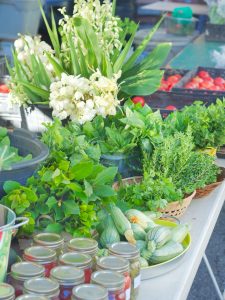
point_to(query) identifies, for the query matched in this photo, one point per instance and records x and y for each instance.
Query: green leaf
(106, 176)
(57, 67)
(81, 170)
(88, 188)
(10, 185)
(51, 202)
(54, 228)
(35, 89)
(70, 207)
(131, 61)
(102, 190)
(75, 63)
(119, 62)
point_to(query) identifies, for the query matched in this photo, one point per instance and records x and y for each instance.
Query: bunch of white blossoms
(81, 99)
(101, 17)
(26, 46)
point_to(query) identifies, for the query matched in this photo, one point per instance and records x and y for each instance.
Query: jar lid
(42, 286)
(39, 254)
(113, 263)
(90, 292)
(111, 280)
(48, 239)
(82, 244)
(26, 270)
(31, 297)
(124, 249)
(67, 275)
(75, 259)
(6, 291)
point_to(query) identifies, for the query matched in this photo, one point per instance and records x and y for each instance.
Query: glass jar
(90, 292)
(41, 255)
(7, 292)
(50, 240)
(22, 271)
(83, 245)
(117, 264)
(112, 281)
(68, 277)
(42, 287)
(31, 297)
(79, 260)
(130, 252)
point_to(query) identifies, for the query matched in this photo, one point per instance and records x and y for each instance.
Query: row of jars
(119, 273)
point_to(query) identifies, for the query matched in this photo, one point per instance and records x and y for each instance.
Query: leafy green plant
(8, 154)
(68, 193)
(206, 123)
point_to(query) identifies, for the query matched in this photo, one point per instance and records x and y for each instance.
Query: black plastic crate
(3, 68)
(204, 95)
(215, 32)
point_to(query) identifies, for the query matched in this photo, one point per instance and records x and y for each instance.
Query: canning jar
(117, 264)
(31, 297)
(83, 245)
(41, 255)
(130, 252)
(7, 292)
(42, 287)
(90, 292)
(79, 260)
(22, 271)
(112, 281)
(68, 277)
(50, 240)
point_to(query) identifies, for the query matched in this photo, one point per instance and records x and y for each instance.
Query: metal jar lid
(26, 270)
(111, 280)
(113, 263)
(90, 292)
(125, 250)
(76, 259)
(42, 286)
(67, 275)
(39, 254)
(31, 297)
(82, 245)
(50, 240)
(7, 292)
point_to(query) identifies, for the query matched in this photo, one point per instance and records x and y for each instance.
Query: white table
(202, 216)
(166, 6)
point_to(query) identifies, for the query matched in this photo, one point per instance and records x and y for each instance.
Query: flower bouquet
(90, 66)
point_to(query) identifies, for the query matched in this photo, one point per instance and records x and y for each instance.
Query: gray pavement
(202, 288)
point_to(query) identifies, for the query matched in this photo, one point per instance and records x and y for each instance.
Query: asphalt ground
(202, 287)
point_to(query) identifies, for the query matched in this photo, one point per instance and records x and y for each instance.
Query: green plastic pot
(8, 225)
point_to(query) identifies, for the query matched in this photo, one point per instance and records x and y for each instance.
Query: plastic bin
(27, 143)
(19, 16)
(215, 32)
(180, 26)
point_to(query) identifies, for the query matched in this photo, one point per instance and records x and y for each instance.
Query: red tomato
(4, 89)
(197, 79)
(219, 81)
(205, 85)
(171, 107)
(173, 78)
(138, 99)
(209, 79)
(191, 85)
(203, 74)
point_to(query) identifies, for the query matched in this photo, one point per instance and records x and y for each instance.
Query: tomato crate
(202, 93)
(171, 72)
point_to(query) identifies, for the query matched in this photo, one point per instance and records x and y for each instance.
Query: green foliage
(206, 123)
(8, 154)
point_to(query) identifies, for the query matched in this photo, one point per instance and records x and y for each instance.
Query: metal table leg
(220, 296)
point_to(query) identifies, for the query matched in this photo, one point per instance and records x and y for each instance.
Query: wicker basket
(200, 193)
(175, 209)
